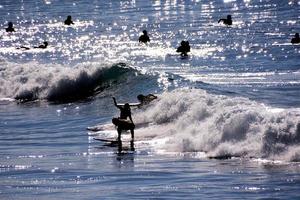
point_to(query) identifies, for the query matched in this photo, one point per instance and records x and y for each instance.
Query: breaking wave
(192, 120)
(28, 82)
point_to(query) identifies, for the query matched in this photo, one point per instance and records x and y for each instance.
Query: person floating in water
(144, 100)
(184, 48)
(42, 46)
(296, 39)
(144, 38)
(10, 27)
(23, 47)
(227, 21)
(122, 122)
(69, 21)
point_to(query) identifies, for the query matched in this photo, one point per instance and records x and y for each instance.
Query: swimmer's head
(145, 32)
(228, 16)
(10, 24)
(45, 43)
(69, 17)
(296, 35)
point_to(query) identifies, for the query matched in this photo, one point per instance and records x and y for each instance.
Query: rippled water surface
(236, 96)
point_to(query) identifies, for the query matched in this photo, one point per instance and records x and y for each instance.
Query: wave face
(191, 120)
(58, 83)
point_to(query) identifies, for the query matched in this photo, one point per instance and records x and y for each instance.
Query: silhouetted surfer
(144, 38)
(42, 46)
(10, 27)
(122, 122)
(227, 21)
(184, 48)
(146, 99)
(69, 21)
(296, 39)
(23, 47)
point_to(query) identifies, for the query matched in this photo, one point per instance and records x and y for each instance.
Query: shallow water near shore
(63, 161)
(226, 123)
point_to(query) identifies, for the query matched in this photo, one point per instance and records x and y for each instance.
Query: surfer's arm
(115, 103)
(220, 20)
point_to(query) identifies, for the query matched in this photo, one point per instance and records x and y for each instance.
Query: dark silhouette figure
(146, 99)
(144, 38)
(23, 47)
(227, 21)
(296, 39)
(10, 27)
(122, 122)
(184, 48)
(42, 46)
(69, 21)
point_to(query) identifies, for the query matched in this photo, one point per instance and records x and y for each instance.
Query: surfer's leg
(119, 134)
(132, 134)
(119, 146)
(131, 145)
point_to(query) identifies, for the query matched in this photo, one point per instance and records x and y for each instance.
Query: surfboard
(110, 140)
(130, 104)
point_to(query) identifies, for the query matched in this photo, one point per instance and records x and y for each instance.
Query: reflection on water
(107, 32)
(100, 30)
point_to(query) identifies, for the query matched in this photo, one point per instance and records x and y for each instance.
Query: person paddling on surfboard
(122, 122)
(145, 99)
(227, 21)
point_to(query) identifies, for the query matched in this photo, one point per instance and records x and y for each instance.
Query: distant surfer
(23, 47)
(122, 122)
(184, 48)
(10, 27)
(42, 46)
(227, 21)
(296, 39)
(69, 21)
(144, 100)
(144, 38)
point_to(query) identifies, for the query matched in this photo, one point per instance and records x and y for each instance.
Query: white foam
(191, 120)
(38, 81)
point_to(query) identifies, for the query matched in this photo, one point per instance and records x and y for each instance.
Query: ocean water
(226, 123)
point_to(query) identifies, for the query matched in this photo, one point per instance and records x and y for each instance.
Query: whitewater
(225, 124)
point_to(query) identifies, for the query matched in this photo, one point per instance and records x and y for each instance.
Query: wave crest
(193, 120)
(33, 81)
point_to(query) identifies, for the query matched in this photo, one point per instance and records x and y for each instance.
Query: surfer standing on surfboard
(122, 122)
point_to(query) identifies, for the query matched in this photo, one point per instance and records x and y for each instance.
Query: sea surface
(226, 123)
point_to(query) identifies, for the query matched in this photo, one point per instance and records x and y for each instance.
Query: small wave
(29, 82)
(85, 85)
(223, 127)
